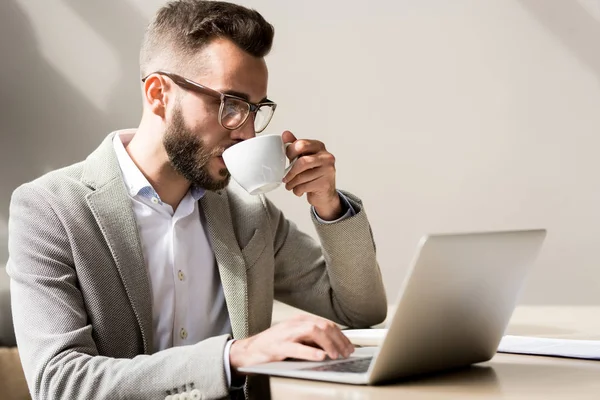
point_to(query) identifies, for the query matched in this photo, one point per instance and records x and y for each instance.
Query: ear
(156, 94)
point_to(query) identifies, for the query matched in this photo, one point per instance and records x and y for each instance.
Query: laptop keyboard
(356, 365)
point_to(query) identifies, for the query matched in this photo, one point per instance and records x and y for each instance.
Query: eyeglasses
(234, 111)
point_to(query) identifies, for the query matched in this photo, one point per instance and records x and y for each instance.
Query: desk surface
(506, 376)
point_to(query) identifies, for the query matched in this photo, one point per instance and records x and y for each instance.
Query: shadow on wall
(575, 23)
(46, 122)
(122, 27)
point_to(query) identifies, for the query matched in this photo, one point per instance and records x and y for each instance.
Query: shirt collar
(136, 182)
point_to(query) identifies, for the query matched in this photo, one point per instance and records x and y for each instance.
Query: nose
(246, 131)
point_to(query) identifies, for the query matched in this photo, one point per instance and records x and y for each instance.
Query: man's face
(194, 139)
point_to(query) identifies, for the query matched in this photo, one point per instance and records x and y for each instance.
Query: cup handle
(287, 169)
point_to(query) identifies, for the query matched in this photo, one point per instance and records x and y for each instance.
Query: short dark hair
(182, 28)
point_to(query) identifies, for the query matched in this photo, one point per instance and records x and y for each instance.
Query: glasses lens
(263, 117)
(234, 113)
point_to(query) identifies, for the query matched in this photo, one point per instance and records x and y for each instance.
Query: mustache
(218, 151)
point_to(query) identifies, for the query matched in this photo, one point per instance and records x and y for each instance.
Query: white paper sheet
(586, 349)
(365, 337)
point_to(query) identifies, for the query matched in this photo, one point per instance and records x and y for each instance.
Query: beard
(189, 156)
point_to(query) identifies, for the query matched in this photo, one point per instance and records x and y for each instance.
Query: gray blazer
(81, 299)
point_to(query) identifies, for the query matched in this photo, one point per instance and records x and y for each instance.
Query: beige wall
(444, 115)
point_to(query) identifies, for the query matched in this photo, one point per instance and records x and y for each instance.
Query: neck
(149, 155)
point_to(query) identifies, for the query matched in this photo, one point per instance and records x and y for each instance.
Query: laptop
(452, 311)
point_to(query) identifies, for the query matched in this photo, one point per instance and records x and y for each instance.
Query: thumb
(288, 137)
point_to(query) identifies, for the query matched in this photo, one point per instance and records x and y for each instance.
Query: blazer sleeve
(54, 336)
(339, 278)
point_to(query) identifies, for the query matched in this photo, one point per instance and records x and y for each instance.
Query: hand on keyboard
(305, 337)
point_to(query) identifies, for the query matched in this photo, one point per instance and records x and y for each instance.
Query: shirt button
(181, 275)
(183, 334)
(155, 200)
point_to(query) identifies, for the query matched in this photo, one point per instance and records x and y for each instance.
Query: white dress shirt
(188, 304)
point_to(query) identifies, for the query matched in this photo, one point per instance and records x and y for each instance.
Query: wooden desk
(506, 376)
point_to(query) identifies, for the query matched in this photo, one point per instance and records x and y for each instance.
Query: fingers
(329, 337)
(319, 185)
(324, 162)
(305, 177)
(342, 343)
(302, 352)
(303, 147)
(288, 137)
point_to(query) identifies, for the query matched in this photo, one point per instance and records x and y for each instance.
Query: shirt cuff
(228, 367)
(350, 212)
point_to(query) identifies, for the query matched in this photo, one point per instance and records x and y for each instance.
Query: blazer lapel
(111, 207)
(232, 268)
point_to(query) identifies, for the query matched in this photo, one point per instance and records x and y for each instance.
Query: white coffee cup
(258, 164)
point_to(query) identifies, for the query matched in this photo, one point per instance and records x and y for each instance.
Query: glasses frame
(198, 88)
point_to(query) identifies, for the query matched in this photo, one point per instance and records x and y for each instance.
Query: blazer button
(195, 395)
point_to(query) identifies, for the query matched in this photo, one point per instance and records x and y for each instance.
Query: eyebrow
(243, 95)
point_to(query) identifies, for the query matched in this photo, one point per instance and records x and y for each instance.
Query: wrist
(332, 210)
(236, 355)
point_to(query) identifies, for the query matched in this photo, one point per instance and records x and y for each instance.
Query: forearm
(357, 294)
(61, 359)
(72, 374)
(339, 280)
